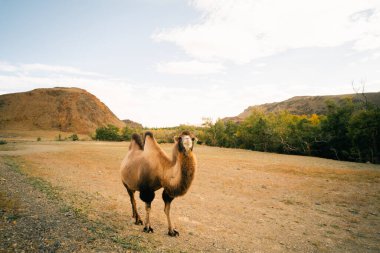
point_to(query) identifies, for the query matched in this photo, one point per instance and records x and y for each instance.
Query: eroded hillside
(63, 109)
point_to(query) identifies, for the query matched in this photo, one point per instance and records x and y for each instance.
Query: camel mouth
(187, 147)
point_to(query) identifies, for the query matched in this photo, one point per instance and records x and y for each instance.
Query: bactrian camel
(146, 168)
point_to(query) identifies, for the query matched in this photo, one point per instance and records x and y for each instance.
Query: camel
(147, 168)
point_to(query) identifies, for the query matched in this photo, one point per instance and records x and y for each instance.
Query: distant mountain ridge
(63, 109)
(132, 124)
(307, 105)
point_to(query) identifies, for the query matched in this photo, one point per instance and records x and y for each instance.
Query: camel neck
(185, 174)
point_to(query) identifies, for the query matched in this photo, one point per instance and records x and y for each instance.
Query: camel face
(187, 142)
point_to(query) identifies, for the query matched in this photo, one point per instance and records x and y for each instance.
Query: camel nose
(186, 140)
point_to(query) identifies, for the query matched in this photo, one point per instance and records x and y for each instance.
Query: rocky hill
(308, 104)
(63, 109)
(132, 124)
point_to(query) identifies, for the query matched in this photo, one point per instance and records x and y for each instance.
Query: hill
(307, 105)
(63, 109)
(132, 124)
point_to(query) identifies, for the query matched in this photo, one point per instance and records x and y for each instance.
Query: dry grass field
(240, 201)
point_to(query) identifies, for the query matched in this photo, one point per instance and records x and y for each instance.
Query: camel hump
(150, 143)
(148, 133)
(138, 141)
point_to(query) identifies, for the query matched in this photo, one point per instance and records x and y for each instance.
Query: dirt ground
(34, 220)
(240, 201)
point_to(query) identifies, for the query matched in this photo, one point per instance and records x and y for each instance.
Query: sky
(168, 62)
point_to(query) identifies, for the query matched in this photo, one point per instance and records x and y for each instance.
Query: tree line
(348, 131)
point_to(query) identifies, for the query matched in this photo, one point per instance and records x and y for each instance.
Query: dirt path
(34, 219)
(240, 201)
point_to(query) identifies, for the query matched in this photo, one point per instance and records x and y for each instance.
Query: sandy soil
(240, 201)
(33, 219)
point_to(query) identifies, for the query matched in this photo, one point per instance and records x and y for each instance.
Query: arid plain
(240, 201)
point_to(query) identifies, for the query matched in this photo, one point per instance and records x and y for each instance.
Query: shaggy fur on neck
(187, 171)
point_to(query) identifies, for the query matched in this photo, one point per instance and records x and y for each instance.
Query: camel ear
(195, 140)
(176, 138)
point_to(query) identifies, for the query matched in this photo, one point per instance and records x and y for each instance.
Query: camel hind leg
(167, 199)
(135, 214)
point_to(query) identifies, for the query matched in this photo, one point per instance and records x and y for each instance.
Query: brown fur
(148, 168)
(187, 175)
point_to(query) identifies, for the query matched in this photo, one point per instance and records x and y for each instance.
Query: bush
(38, 138)
(74, 137)
(364, 133)
(126, 134)
(109, 133)
(2, 142)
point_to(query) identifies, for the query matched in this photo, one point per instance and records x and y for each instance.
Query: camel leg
(167, 199)
(147, 197)
(147, 227)
(134, 209)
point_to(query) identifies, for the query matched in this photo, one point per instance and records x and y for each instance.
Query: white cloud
(36, 67)
(6, 67)
(260, 65)
(243, 30)
(44, 69)
(190, 67)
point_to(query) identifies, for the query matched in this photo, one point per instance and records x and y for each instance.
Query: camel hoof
(138, 222)
(173, 233)
(148, 230)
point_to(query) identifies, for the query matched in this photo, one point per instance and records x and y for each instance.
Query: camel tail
(137, 139)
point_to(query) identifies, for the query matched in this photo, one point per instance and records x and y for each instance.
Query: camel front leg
(147, 228)
(167, 199)
(147, 197)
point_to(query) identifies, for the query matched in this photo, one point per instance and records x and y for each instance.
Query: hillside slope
(63, 109)
(307, 104)
(132, 124)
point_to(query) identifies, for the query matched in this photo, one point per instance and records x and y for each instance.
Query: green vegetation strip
(348, 131)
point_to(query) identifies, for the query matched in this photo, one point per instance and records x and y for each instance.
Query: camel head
(185, 142)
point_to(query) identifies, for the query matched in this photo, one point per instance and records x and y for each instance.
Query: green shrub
(127, 132)
(108, 133)
(74, 137)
